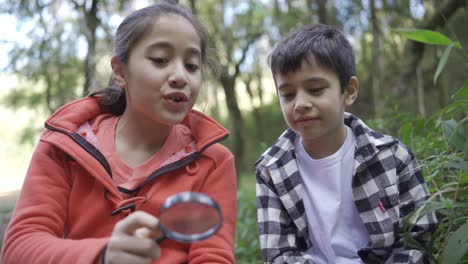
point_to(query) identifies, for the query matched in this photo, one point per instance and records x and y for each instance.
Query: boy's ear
(351, 91)
(118, 70)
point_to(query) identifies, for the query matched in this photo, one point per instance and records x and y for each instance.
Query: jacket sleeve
(279, 240)
(37, 228)
(413, 193)
(221, 185)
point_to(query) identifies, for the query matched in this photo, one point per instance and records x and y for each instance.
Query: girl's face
(163, 75)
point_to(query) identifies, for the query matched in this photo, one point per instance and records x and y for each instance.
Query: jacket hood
(70, 117)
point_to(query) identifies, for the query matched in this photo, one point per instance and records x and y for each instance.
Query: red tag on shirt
(381, 206)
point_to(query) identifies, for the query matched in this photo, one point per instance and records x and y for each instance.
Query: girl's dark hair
(326, 44)
(129, 32)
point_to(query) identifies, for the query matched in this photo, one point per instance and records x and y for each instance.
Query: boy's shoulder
(371, 143)
(281, 149)
(364, 134)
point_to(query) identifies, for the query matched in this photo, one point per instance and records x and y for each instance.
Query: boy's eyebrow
(283, 86)
(315, 79)
(308, 80)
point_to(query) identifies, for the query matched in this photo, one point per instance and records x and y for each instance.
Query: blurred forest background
(59, 50)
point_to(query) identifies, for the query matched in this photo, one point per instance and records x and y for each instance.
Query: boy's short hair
(326, 44)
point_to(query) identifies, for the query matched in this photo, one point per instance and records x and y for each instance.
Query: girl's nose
(178, 77)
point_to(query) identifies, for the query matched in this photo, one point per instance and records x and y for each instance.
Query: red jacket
(63, 214)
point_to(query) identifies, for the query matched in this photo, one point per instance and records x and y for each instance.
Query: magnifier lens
(190, 217)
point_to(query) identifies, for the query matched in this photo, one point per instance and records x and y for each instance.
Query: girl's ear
(351, 91)
(118, 70)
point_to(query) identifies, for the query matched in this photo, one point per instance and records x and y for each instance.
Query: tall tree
(88, 26)
(56, 40)
(377, 60)
(234, 31)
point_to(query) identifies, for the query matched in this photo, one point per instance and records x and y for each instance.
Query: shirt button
(188, 149)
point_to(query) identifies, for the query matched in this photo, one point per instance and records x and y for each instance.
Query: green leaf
(443, 61)
(405, 132)
(464, 178)
(425, 36)
(456, 136)
(462, 93)
(457, 245)
(457, 163)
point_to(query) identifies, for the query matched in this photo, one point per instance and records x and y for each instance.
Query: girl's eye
(192, 67)
(159, 61)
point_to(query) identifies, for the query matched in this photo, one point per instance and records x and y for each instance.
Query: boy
(330, 191)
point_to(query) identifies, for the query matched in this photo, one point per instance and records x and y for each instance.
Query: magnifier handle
(160, 239)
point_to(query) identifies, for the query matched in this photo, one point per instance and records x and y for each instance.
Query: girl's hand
(132, 240)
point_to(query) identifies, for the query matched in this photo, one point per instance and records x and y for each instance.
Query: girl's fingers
(133, 236)
(135, 221)
(124, 257)
(144, 247)
(144, 232)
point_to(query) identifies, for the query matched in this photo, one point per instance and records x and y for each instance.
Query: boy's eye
(159, 61)
(192, 67)
(316, 90)
(287, 95)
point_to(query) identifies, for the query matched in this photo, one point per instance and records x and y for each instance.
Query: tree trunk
(90, 66)
(236, 121)
(322, 11)
(214, 110)
(377, 62)
(193, 6)
(255, 110)
(420, 85)
(91, 22)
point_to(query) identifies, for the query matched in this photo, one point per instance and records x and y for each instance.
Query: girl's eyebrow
(191, 50)
(159, 44)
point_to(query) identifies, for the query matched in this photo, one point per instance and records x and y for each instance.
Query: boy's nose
(178, 77)
(302, 103)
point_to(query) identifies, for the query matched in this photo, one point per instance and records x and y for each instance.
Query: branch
(245, 49)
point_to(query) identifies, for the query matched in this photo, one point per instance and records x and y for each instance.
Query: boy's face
(312, 102)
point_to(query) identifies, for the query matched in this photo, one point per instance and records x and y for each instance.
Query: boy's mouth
(306, 118)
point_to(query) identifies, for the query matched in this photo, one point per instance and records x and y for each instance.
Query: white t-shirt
(335, 227)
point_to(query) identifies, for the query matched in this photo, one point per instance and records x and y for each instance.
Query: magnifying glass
(189, 217)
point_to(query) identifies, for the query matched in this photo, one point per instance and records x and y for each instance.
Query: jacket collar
(70, 117)
(368, 141)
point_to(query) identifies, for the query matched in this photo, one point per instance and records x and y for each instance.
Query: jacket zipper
(102, 160)
(86, 146)
(171, 167)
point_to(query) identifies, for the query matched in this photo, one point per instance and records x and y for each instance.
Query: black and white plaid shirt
(387, 186)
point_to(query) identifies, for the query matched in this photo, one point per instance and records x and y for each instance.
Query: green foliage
(262, 133)
(247, 242)
(425, 36)
(446, 169)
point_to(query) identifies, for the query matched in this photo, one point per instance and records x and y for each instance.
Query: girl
(105, 163)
